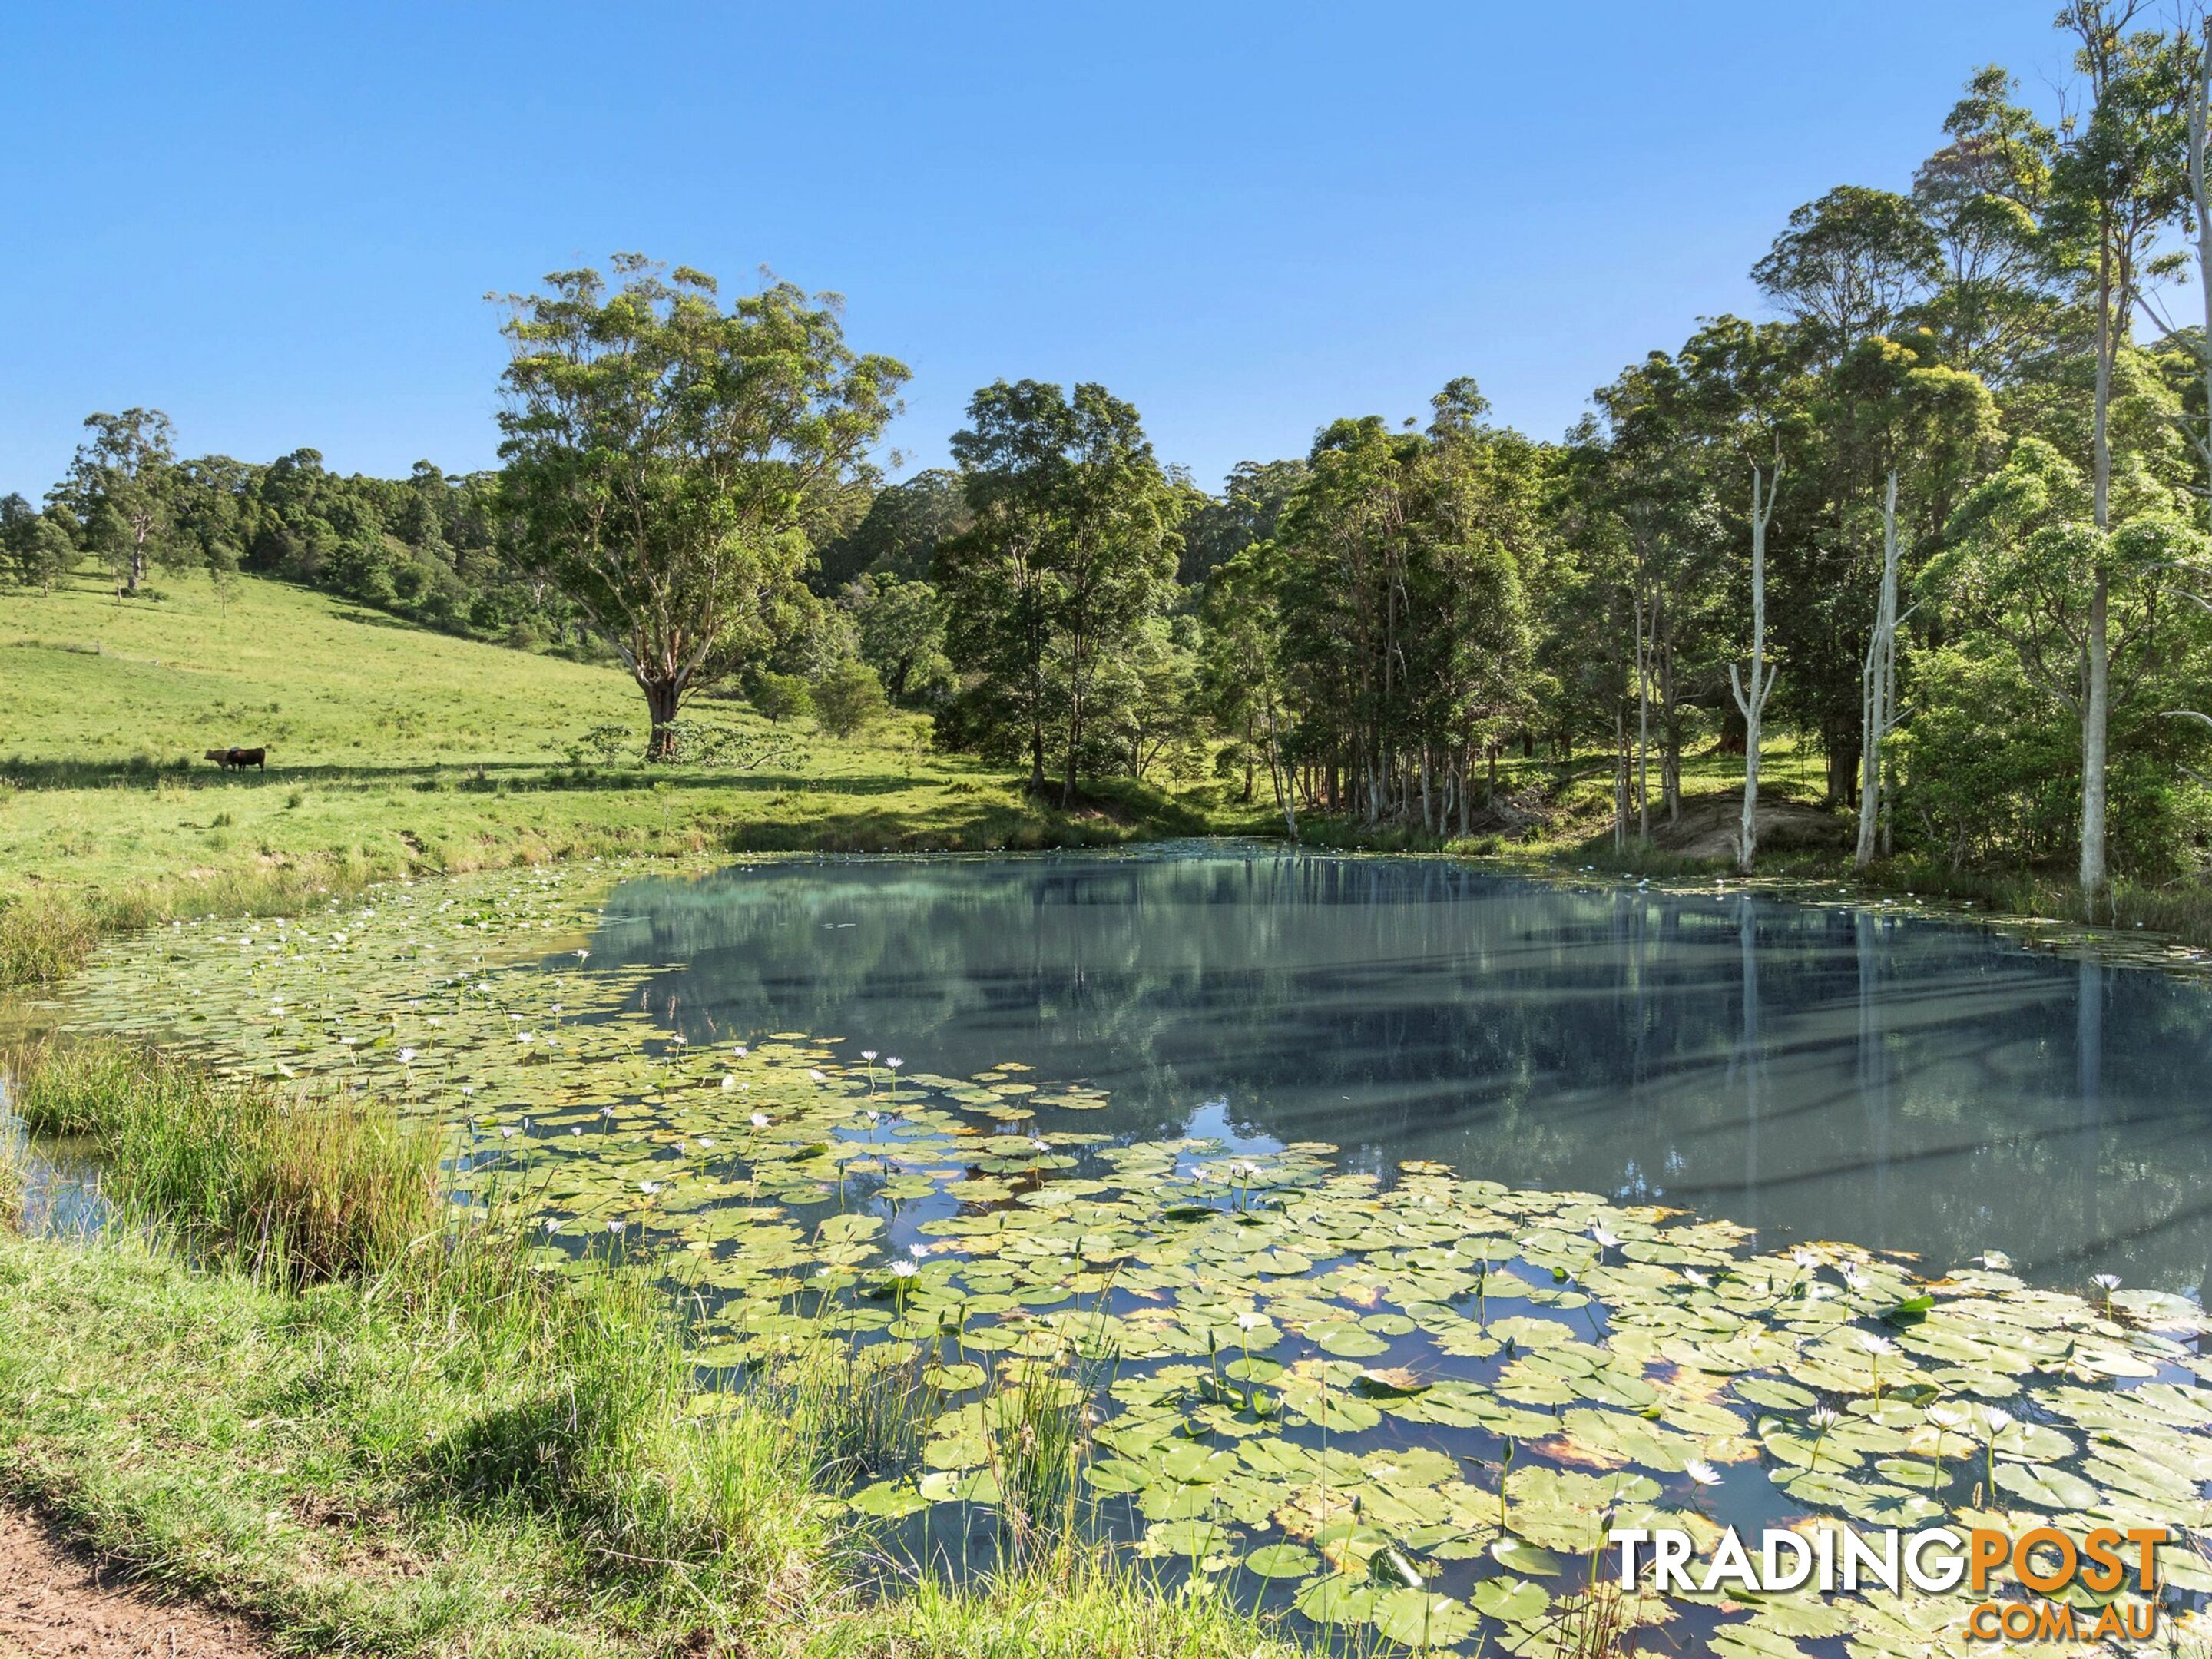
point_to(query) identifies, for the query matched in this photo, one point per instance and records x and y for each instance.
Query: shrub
(780, 696)
(849, 698)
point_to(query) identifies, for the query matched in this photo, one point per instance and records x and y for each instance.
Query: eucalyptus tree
(1853, 264)
(121, 486)
(669, 461)
(1071, 547)
(40, 547)
(2119, 182)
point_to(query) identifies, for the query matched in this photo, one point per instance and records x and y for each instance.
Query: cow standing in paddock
(240, 758)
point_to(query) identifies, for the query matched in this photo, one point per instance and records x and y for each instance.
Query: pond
(1365, 1236)
(1812, 1073)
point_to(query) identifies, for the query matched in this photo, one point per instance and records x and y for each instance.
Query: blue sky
(279, 223)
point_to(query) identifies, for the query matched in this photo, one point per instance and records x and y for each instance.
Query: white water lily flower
(1702, 1471)
(1999, 1419)
(678, 1039)
(728, 1081)
(1039, 1143)
(1950, 1417)
(347, 1042)
(1604, 1239)
(1248, 1321)
(917, 1251)
(739, 1051)
(581, 953)
(575, 1129)
(816, 1075)
(893, 1062)
(648, 1188)
(406, 1056)
(1695, 1277)
(525, 1036)
(867, 1054)
(706, 1143)
(1875, 1344)
(903, 1270)
(760, 1120)
(2106, 1282)
(509, 1133)
(552, 1225)
(1825, 1418)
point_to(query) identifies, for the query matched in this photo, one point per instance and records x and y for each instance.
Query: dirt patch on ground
(1708, 827)
(56, 1601)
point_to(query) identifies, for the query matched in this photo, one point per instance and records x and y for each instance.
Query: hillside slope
(392, 749)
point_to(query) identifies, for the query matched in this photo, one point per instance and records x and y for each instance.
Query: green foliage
(668, 461)
(849, 699)
(781, 697)
(1073, 546)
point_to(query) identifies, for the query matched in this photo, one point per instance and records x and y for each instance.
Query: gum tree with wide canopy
(670, 462)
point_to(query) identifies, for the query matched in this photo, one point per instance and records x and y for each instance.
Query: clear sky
(278, 223)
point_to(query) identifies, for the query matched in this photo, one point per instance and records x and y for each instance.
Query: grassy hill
(395, 750)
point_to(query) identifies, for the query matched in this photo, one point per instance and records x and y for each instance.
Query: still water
(1912, 1085)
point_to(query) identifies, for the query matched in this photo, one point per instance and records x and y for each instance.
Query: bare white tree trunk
(1878, 686)
(1642, 722)
(1751, 700)
(1619, 780)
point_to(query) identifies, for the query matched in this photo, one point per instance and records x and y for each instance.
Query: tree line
(1941, 516)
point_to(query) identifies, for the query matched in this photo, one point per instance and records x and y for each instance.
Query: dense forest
(1940, 516)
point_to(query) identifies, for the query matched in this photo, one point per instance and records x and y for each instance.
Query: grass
(450, 1449)
(265, 1183)
(396, 751)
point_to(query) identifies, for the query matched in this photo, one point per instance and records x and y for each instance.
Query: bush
(849, 699)
(780, 696)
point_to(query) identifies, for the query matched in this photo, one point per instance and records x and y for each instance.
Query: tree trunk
(2096, 702)
(1878, 686)
(1619, 780)
(1752, 700)
(662, 697)
(1643, 725)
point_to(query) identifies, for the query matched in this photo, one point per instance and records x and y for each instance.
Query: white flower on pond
(1876, 1345)
(648, 1188)
(347, 1042)
(613, 1226)
(509, 1133)
(893, 1062)
(525, 1036)
(467, 1089)
(760, 1120)
(406, 1056)
(815, 1074)
(1857, 1280)
(706, 1143)
(1999, 1419)
(1702, 1471)
(581, 953)
(739, 1051)
(728, 1081)
(2106, 1282)
(903, 1270)
(606, 1111)
(917, 1251)
(1248, 1321)
(575, 1128)
(867, 1054)
(552, 1225)
(678, 1039)
(1039, 1143)
(1695, 1277)
(1825, 1418)
(1950, 1417)
(1599, 1234)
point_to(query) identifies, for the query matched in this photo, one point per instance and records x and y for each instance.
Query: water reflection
(1812, 1073)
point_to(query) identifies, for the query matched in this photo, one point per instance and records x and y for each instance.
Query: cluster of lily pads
(1414, 1406)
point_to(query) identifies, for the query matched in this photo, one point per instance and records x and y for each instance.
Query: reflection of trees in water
(1815, 1072)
